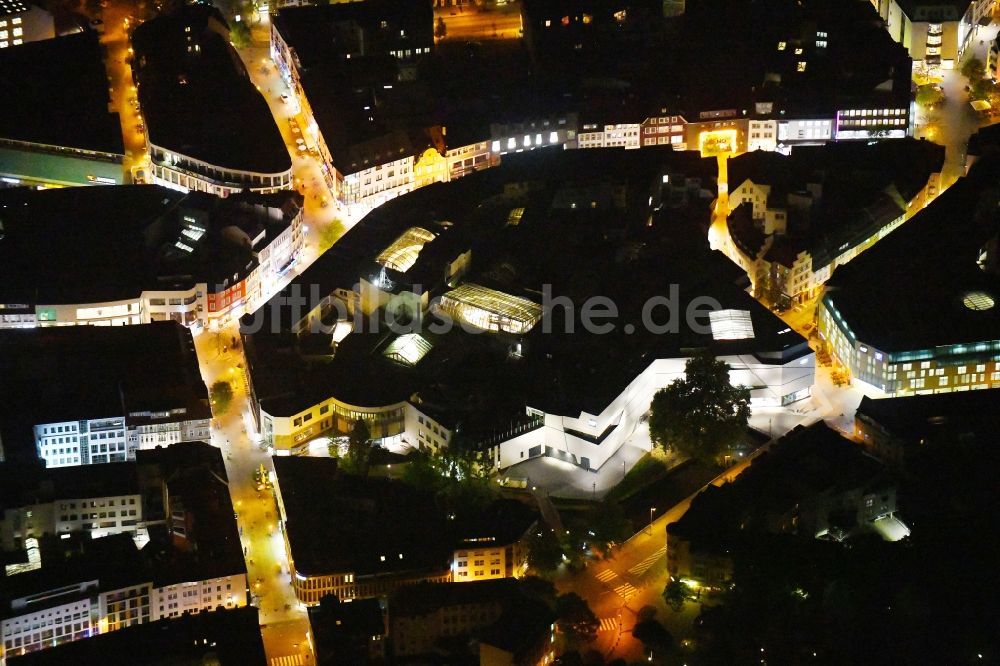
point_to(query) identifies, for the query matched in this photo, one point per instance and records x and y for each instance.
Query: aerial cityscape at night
(499, 332)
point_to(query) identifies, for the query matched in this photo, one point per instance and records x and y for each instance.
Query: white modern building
(84, 395)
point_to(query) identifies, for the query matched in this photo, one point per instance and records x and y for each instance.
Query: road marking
(625, 591)
(644, 566)
(609, 624)
(606, 576)
(289, 660)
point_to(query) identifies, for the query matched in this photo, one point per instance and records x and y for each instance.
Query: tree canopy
(574, 617)
(359, 449)
(221, 394)
(701, 415)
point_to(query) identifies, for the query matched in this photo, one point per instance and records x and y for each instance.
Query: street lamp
(652, 510)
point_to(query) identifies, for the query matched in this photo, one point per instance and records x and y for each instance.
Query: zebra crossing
(608, 624)
(626, 591)
(606, 576)
(644, 566)
(288, 660)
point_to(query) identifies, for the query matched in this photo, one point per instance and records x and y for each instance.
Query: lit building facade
(91, 515)
(181, 172)
(197, 305)
(91, 611)
(939, 369)
(935, 33)
(22, 22)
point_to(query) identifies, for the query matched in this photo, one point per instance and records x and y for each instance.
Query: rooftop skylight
(731, 324)
(403, 252)
(978, 300)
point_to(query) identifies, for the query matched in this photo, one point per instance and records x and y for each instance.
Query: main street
(284, 624)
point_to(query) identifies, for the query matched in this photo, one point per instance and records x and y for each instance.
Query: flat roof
(806, 463)
(82, 245)
(57, 95)
(581, 252)
(229, 637)
(22, 485)
(70, 373)
(366, 526)
(941, 415)
(908, 292)
(197, 98)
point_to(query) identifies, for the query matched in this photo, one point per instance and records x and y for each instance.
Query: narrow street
(119, 17)
(284, 624)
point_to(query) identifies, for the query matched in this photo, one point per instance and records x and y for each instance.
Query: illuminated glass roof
(490, 309)
(978, 300)
(731, 324)
(403, 252)
(407, 349)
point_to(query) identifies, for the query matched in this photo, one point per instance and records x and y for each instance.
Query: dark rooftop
(855, 188)
(197, 97)
(425, 598)
(627, 253)
(802, 465)
(943, 415)
(81, 372)
(908, 292)
(57, 95)
(26, 484)
(342, 632)
(341, 523)
(199, 541)
(98, 244)
(228, 637)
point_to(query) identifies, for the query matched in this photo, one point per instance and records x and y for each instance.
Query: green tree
(330, 234)
(676, 593)
(653, 635)
(929, 95)
(359, 449)
(701, 415)
(608, 523)
(538, 588)
(221, 394)
(575, 619)
(973, 69)
(545, 551)
(440, 29)
(239, 35)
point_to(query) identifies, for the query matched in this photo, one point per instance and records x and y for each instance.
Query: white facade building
(589, 440)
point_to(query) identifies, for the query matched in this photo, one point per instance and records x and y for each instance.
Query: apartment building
(83, 395)
(186, 70)
(141, 254)
(94, 579)
(794, 220)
